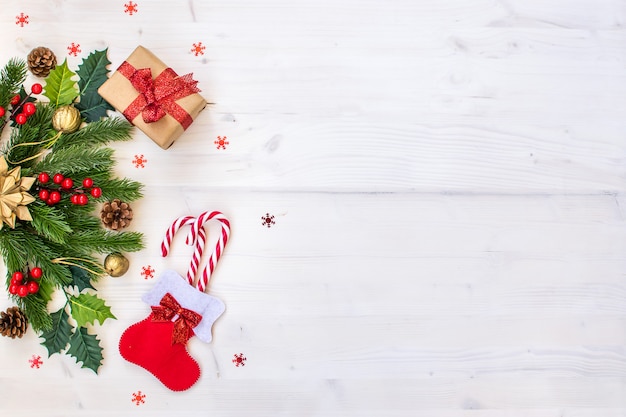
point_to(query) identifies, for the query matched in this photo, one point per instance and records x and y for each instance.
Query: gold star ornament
(13, 194)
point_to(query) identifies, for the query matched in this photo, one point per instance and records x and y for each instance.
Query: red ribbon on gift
(157, 97)
(185, 321)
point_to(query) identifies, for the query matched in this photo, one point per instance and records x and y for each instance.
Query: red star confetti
(268, 220)
(21, 20)
(74, 49)
(138, 398)
(35, 361)
(130, 8)
(147, 272)
(139, 161)
(239, 360)
(221, 142)
(198, 49)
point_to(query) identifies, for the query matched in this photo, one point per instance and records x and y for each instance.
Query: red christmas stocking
(159, 342)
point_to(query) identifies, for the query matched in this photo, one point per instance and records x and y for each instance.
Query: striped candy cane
(193, 237)
(199, 247)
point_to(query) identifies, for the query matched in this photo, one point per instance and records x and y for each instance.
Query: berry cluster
(22, 109)
(51, 194)
(23, 288)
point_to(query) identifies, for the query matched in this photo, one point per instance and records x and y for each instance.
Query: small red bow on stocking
(185, 321)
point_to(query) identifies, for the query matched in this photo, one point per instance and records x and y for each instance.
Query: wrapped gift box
(153, 97)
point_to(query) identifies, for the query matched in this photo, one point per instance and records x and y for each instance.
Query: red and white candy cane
(199, 248)
(195, 235)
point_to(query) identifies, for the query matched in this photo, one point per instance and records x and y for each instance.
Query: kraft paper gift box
(153, 97)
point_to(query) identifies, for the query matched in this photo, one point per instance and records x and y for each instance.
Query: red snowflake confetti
(147, 272)
(198, 49)
(239, 360)
(268, 220)
(221, 142)
(21, 20)
(74, 49)
(130, 8)
(138, 398)
(139, 161)
(35, 361)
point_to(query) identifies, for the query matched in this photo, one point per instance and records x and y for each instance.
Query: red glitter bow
(185, 321)
(157, 97)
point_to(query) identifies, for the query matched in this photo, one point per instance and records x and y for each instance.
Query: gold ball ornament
(66, 119)
(116, 264)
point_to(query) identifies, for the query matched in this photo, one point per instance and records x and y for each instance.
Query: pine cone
(116, 214)
(13, 322)
(41, 61)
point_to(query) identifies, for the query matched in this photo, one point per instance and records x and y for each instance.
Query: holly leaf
(88, 308)
(57, 338)
(80, 278)
(60, 87)
(93, 72)
(92, 106)
(86, 348)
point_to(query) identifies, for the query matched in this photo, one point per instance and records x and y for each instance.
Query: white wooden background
(447, 183)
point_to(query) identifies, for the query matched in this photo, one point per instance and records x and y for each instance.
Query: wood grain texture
(447, 185)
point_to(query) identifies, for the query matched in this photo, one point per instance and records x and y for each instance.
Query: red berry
(96, 192)
(87, 182)
(54, 197)
(36, 88)
(36, 272)
(82, 199)
(2, 111)
(13, 289)
(33, 287)
(58, 178)
(44, 194)
(15, 100)
(29, 109)
(43, 177)
(74, 199)
(21, 118)
(67, 183)
(22, 290)
(17, 276)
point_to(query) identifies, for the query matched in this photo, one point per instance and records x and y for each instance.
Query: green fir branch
(50, 223)
(77, 160)
(112, 129)
(86, 263)
(103, 241)
(84, 223)
(12, 76)
(14, 249)
(123, 188)
(36, 310)
(28, 140)
(22, 246)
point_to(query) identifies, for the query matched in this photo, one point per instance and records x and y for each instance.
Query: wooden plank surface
(446, 180)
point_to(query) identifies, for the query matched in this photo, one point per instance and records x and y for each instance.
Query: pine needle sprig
(50, 223)
(123, 188)
(76, 160)
(37, 309)
(21, 246)
(84, 223)
(13, 250)
(26, 142)
(12, 76)
(113, 129)
(103, 241)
